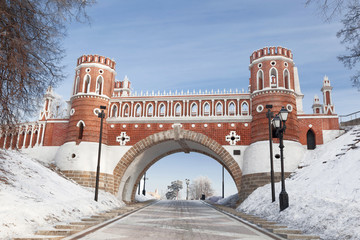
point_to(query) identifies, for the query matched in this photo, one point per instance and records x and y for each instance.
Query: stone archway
(146, 152)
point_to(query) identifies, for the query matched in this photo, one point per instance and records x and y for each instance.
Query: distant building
(141, 128)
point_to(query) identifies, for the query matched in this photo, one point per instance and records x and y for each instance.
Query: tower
(272, 82)
(46, 113)
(93, 87)
(317, 107)
(326, 90)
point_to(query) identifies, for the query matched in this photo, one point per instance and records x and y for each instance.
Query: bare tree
(350, 32)
(201, 185)
(30, 51)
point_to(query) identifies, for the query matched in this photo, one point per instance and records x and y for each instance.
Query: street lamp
(187, 181)
(101, 115)
(280, 127)
(270, 115)
(144, 191)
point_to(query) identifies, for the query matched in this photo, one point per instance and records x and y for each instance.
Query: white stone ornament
(122, 139)
(232, 138)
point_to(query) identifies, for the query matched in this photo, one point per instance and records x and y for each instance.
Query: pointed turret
(317, 106)
(326, 90)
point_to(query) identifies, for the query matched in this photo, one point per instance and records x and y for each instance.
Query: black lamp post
(101, 115)
(223, 185)
(279, 124)
(187, 181)
(144, 191)
(270, 115)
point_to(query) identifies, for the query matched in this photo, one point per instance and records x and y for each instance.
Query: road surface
(177, 220)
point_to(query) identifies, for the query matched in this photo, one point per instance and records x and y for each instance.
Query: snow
(142, 198)
(324, 195)
(33, 195)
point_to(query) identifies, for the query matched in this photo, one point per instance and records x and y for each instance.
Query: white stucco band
(83, 157)
(45, 154)
(257, 157)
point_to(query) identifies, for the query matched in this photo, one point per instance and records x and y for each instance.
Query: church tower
(326, 90)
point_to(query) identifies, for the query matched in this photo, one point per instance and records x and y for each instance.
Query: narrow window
(162, 110)
(286, 79)
(177, 110)
(77, 85)
(126, 110)
(99, 85)
(86, 84)
(206, 109)
(260, 80)
(194, 109)
(273, 78)
(244, 108)
(150, 110)
(219, 109)
(138, 110)
(81, 130)
(231, 108)
(114, 111)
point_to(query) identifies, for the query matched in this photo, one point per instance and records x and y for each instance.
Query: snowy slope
(32, 195)
(324, 195)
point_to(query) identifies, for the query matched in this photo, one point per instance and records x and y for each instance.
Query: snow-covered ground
(32, 195)
(324, 195)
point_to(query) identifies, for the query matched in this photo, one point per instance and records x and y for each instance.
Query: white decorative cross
(123, 138)
(232, 138)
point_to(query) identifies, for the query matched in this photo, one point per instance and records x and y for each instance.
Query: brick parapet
(251, 182)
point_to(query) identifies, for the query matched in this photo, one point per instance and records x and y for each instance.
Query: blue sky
(206, 44)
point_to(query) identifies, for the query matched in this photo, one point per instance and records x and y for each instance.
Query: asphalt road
(177, 220)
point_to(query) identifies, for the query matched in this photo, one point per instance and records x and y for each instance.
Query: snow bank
(142, 198)
(324, 195)
(230, 201)
(33, 195)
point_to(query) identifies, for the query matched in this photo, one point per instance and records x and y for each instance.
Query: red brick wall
(212, 131)
(84, 110)
(318, 124)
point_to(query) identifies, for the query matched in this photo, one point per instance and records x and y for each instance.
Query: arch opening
(310, 139)
(141, 156)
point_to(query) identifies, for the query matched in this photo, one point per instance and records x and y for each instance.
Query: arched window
(99, 85)
(219, 109)
(194, 109)
(150, 110)
(244, 108)
(161, 110)
(81, 126)
(231, 108)
(310, 138)
(206, 109)
(177, 110)
(260, 80)
(126, 110)
(114, 111)
(86, 87)
(138, 110)
(286, 79)
(273, 78)
(77, 85)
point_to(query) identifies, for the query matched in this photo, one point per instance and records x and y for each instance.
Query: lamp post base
(284, 200)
